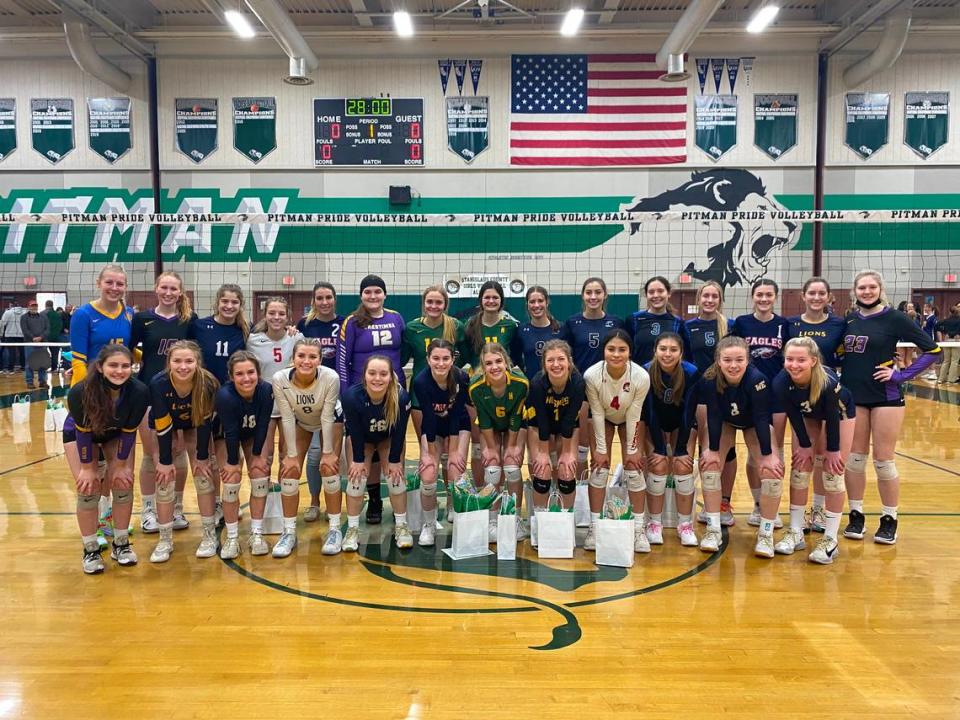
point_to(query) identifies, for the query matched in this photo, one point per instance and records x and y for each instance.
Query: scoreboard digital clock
(368, 131)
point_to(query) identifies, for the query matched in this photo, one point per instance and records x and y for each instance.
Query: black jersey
(217, 343)
(129, 408)
(766, 339)
(239, 419)
(171, 411)
(443, 416)
(328, 332)
(834, 404)
(645, 327)
(530, 340)
(156, 334)
(743, 406)
(703, 336)
(827, 334)
(662, 415)
(872, 340)
(585, 335)
(555, 413)
(367, 425)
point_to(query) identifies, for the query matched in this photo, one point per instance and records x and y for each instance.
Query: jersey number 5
(277, 355)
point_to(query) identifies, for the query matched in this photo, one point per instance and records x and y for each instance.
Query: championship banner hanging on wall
(8, 126)
(255, 126)
(715, 118)
(196, 127)
(867, 122)
(468, 122)
(926, 121)
(109, 123)
(51, 126)
(775, 124)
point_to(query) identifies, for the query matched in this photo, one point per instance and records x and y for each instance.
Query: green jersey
(504, 332)
(417, 336)
(502, 413)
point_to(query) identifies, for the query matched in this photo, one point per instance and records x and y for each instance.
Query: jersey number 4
(615, 403)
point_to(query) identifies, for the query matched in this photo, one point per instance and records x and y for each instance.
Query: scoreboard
(368, 131)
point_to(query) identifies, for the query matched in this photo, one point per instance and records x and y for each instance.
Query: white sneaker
(764, 546)
(148, 521)
(333, 542)
(523, 529)
(161, 553)
(180, 521)
(230, 549)
(311, 514)
(351, 541)
(791, 540)
(640, 542)
(401, 534)
(208, 544)
(712, 540)
(688, 538)
(257, 545)
(428, 535)
(285, 545)
(590, 541)
(92, 560)
(123, 554)
(825, 552)
(492, 530)
(755, 519)
(818, 519)
(654, 533)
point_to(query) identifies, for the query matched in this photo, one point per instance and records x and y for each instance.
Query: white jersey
(617, 401)
(273, 355)
(312, 408)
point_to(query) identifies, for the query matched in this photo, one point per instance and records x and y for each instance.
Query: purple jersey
(382, 336)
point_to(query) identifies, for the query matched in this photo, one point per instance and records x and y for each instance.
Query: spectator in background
(35, 327)
(12, 333)
(54, 332)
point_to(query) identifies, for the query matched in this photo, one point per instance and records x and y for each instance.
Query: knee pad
(396, 486)
(771, 487)
(710, 480)
(331, 483)
(147, 465)
(231, 492)
(259, 487)
(886, 469)
(289, 487)
(857, 462)
(635, 481)
(684, 484)
(656, 484)
(491, 475)
(203, 485)
(166, 493)
(799, 480)
(88, 502)
(356, 488)
(598, 478)
(428, 490)
(122, 497)
(583, 452)
(541, 486)
(181, 462)
(833, 483)
(731, 456)
(475, 452)
(567, 487)
(818, 461)
(512, 474)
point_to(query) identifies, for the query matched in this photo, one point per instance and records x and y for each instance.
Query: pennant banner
(196, 127)
(444, 66)
(716, 64)
(8, 126)
(475, 67)
(715, 119)
(926, 121)
(51, 124)
(775, 124)
(867, 122)
(460, 71)
(703, 67)
(733, 69)
(255, 126)
(468, 122)
(747, 68)
(109, 120)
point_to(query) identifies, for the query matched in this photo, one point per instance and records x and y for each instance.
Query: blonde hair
(241, 320)
(184, 308)
(713, 372)
(493, 349)
(818, 376)
(869, 273)
(564, 347)
(449, 323)
(261, 325)
(391, 400)
(721, 318)
(203, 386)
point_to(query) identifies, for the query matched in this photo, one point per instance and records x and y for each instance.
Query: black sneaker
(886, 534)
(854, 528)
(92, 562)
(374, 505)
(123, 554)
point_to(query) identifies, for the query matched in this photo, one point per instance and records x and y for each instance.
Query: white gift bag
(507, 537)
(414, 511)
(470, 535)
(581, 505)
(60, 414)
(556, 534)
(20, 409)
(615, 542)
(49, 424)
(273, 513)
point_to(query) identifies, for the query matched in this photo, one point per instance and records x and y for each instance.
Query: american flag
(595, 110)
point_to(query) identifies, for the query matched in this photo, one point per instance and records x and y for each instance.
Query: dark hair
(617, 334)
(678, 381)
(817, 279)
(361, 314)
(312, 315)
(242, 356)
(554, 325)
(666, 283)
(453, 387)
(98, 403)
(601, 283)
(764, 281)
(474, 329)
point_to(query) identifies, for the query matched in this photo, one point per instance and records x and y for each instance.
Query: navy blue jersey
(743, 406)
(171, 411)
(328, 333)
(834, 404)
(156, 334)
(662, 415)
(828, 335)
(645, 327)
(530, 340)
(766, 339)
(555, 412)
(702, 338)
(217, 343)
(443, 415)
(366, 424)
(585, 336)
(240, 420)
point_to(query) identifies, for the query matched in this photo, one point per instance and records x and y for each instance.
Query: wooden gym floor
(385, 635)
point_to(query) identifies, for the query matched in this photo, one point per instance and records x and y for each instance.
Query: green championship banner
(109, 127)
(255, 126)
(51, 123)
(8, 126)
(867, 122)
(775, 124)
(926, 121)
(468, 122)
(715, 118)
(196, 127)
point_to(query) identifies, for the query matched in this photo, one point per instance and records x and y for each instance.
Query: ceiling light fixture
(402, 23)
(241, 26)
(571, 22)
(762, 18)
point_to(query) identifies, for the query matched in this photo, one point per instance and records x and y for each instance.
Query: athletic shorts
(900, 402)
